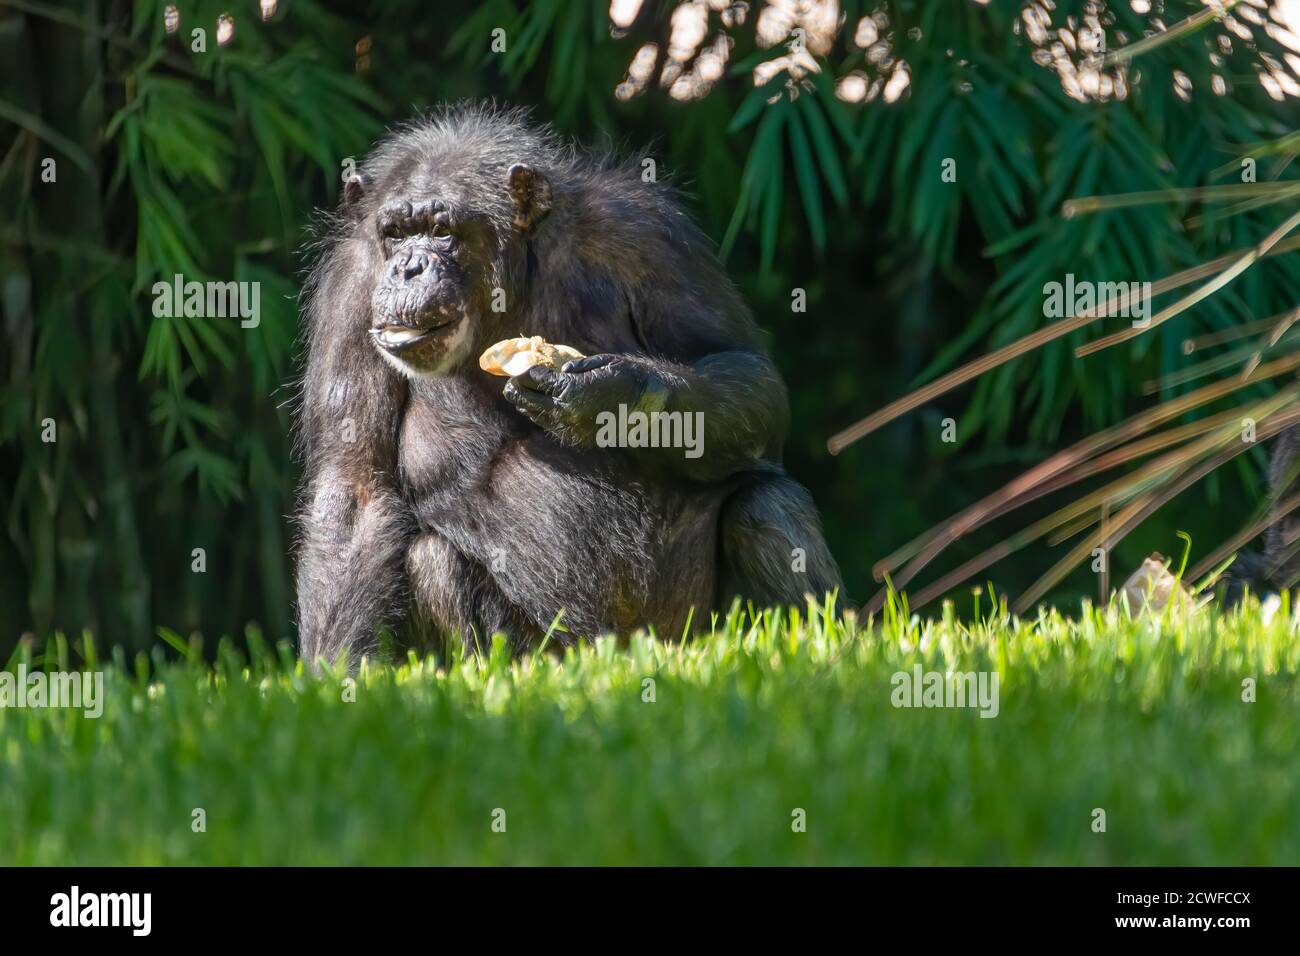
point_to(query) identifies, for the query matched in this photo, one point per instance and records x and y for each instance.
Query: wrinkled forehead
(467, 185)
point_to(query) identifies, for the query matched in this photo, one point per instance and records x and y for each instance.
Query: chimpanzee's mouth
(399, 338)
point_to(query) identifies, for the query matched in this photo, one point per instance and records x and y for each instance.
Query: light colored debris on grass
(1152, 586)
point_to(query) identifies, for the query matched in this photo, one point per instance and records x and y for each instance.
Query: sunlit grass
(1142, 718)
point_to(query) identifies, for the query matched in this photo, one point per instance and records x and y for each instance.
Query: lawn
(767, 742)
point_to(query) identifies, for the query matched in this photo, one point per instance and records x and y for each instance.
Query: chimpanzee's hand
(566, 403)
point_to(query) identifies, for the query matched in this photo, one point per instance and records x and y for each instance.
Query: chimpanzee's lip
(399, 338)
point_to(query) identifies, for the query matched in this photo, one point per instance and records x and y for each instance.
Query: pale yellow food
(511, 357)
(1153, 586)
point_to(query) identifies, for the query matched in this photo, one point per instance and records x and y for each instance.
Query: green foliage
(752, 720)
(173, 433)
(211, 163)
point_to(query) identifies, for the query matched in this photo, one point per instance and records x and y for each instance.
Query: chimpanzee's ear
(531, 193)
(354, 187)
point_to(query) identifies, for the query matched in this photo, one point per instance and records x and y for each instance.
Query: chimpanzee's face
(440, 255)
(426, 305)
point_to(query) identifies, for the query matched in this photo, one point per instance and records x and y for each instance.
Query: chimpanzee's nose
(410, 264)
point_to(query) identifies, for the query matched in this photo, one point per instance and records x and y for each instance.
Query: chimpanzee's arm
(352, 524)
(700, 358)
(645, 266)
(350, 565)
(742, 408)
(728, 407)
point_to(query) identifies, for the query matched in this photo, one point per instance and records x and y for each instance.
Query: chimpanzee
(1277, 567)
(441, 505)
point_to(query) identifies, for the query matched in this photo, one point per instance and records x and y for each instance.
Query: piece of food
(1153, 586)
(511, 357)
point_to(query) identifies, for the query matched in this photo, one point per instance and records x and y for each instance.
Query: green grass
(1142, 718)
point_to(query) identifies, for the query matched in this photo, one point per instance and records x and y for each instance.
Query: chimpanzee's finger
(574, 366)
(539, 407)
(542, 379)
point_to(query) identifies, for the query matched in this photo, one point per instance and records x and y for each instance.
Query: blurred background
(820, 173)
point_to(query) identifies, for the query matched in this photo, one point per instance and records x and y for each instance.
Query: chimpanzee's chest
(584, 530)
(471, 465)
(448, 443)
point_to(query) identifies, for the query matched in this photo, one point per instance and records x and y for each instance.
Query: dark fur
(463, 508)
(1278, 567)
